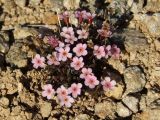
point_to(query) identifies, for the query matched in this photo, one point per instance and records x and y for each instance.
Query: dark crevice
(26, 82)
(27, 2)
(145, 3)
(11, 37)
(34, 110)
(11, 97)
(136, 1)
(124, 118)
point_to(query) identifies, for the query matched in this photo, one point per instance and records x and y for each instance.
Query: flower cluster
(71, 51)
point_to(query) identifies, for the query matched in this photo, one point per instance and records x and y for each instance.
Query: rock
(149, 24)
(21, 3)
(45, 109)
(134, 41)
(18, 113)
(152, 5)
(136, 6)
(9, 81)
(82, 117)
(56, 5)
(123, 111)
(71, 4)
(50, 18)
(152, 98)
(131, 103)
(4, 102)
(142, 103)
(116, 93)
(134, 79)
(105, 109)
(4, 113)
(9, 6)
(16, 110)
(21, 33)
(39, 117)
(117, 64)
(26, 97)
(157, 44)
(148, 114)
(16, 56)
(34, 2)
(52, 118)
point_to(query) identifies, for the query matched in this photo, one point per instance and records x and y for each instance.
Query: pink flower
(70, 39)
(107, 51)
(86, 72)
(75, 89)
(99, 51)
(108, 84)
(53, 59)
(67, 101)
(60, 45)
(48, 91)
(80, 49)
(53, 41)
(104, 33)
(80, 15)
(77, 63)
(62, 92)
(38, 61)
(64, 53)
(91, 81)
(115, 51)
(90, 17)
(83, 34)
(64, 16)
(67, 31)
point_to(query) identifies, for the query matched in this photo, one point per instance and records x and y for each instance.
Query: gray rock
(131, 103)
(134, 41)
(134, 79)
(123, 111)
(105, 109)
(149, 23)
(16, 56)
(45, 109)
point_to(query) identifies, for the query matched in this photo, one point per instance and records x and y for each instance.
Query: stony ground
(137, 94)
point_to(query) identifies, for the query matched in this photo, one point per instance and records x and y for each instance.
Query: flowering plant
(74, 54)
